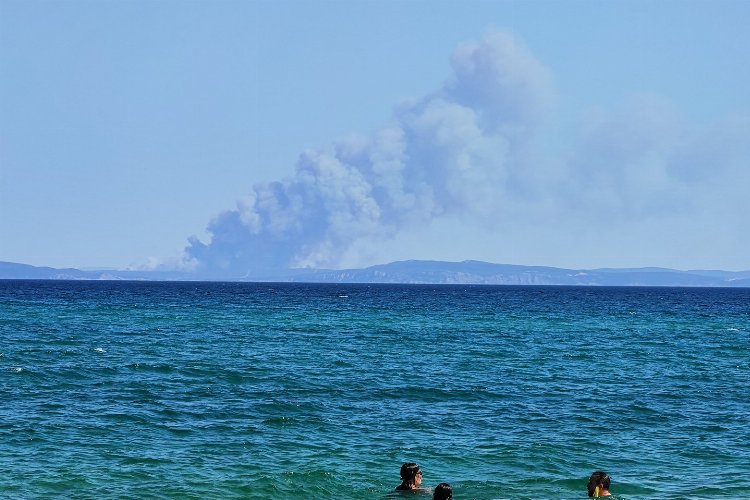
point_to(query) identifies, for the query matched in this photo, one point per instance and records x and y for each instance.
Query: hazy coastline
(416, 272)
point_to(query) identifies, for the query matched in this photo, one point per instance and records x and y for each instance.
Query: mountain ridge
(466, 272)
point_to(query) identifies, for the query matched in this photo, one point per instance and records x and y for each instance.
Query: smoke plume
(452, 152)
(471, 151)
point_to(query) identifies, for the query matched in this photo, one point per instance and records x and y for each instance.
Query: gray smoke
(634, 180)
(452, 152)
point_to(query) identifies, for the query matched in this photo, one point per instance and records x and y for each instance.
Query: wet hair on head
(598, 478)
(409, 471)
(443, 491)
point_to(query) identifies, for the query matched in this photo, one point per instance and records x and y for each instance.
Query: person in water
(599, 484)
(411, 478)
(443, 491)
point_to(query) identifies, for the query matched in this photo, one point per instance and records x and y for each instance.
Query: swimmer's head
(443, 491)
(598, 484)
(411, 474)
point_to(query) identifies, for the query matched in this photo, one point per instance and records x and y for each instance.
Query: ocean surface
(244, 390)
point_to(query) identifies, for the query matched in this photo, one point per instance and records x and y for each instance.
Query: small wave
(100, 350)
(139, 460)
(16, 369)
(343, 296)
(284, 420)
(180, 431)
(155, 368)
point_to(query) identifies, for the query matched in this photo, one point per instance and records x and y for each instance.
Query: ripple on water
(285, 391)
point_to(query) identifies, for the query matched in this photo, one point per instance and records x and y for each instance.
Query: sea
(112, 389)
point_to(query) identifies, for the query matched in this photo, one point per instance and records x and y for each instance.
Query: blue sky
(240, 135)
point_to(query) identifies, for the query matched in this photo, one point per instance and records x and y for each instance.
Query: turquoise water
(236, 390)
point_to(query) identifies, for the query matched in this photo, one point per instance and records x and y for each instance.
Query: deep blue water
(237, 390)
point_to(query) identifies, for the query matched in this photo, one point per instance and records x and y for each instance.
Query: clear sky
(241, 135)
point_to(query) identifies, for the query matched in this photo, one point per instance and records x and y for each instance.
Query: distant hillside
(484, 273)
(10, 270)
(420, 271)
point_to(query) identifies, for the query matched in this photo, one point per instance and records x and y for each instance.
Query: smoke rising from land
(450, 152)
(467, 151)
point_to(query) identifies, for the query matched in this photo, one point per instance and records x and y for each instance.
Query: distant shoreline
(414, 272)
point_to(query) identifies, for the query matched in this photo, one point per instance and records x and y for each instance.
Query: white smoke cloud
(643, 161)
(465, 151)
(449, 153)
(502, 80)
(618, 168)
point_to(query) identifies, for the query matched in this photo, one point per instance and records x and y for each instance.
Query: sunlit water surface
(229, 390)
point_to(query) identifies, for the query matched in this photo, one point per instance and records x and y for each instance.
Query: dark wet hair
(443, 491)
(409, 471)
(597, 478)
